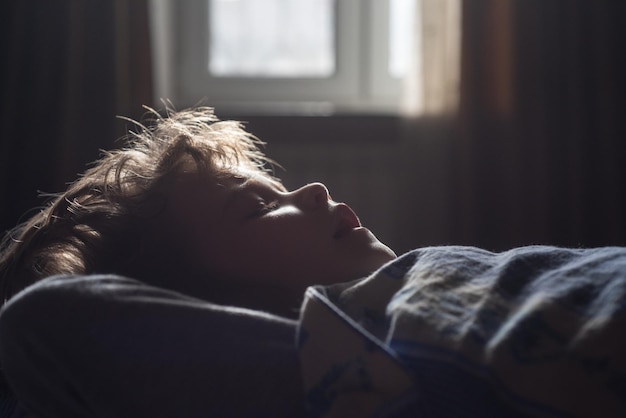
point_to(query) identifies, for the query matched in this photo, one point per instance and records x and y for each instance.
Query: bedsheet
(460, 331)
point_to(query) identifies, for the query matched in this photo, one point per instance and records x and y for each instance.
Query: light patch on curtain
(432, 72)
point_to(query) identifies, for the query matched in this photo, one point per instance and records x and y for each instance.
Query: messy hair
(99, 224)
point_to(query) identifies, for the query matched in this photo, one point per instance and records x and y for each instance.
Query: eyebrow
(235, 194)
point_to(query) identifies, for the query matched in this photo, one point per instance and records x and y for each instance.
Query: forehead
(198, 198)
(197, 205)
(214, 181)
(242, 176)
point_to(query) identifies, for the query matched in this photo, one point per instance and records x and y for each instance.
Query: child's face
(248, 229)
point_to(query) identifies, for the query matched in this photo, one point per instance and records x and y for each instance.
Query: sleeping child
(189, 206)
(178, 278)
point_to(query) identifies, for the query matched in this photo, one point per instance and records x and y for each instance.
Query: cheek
(279, 251)
(283, 230)
(265, 247)
(273, 249)
(242, 255)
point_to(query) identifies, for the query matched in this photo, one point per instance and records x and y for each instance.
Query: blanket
(460, 331)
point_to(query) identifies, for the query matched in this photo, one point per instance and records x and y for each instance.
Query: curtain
(431, 87)
(70, 66)
(541, 150)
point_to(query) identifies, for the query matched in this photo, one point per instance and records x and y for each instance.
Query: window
(304, 56)
(271, 38)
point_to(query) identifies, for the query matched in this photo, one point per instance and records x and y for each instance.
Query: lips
(345, 220)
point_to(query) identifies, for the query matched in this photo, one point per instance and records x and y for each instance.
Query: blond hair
(99, 224)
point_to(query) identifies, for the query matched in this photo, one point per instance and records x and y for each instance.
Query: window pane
(271, 38)
(402, 18)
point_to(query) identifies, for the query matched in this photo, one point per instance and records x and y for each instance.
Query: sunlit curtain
(432, 84)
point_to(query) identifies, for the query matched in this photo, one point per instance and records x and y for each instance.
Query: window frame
(361, 83)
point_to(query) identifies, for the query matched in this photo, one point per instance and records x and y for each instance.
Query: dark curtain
(69, 67)
(541, 157)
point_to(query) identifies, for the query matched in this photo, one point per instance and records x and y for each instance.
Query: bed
(438, 332)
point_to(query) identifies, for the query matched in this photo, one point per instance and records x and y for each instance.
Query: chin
(379, 255)
(383, 253)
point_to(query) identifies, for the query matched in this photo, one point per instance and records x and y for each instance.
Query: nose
(312, 196)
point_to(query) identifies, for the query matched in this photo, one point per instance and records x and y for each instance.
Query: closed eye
(263, 208)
